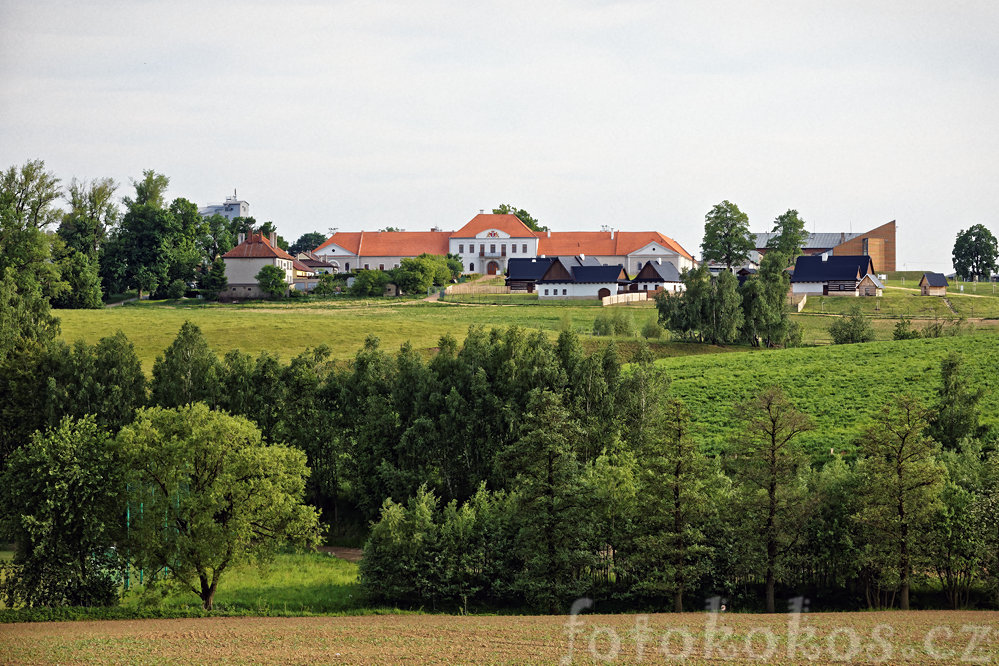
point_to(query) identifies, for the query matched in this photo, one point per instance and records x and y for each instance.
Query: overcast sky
(638, 115)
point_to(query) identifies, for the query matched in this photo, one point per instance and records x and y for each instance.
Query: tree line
(98, 245)
(516, 470)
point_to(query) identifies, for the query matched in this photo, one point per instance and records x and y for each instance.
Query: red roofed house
(488, 241)
(243, 262)
(349, 251)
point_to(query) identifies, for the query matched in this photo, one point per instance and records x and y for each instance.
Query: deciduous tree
(975, 253)
(271, 281)
(726, 235)
(523, 215)
(62, 505)
(213, 495)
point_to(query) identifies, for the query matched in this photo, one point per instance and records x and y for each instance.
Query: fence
(628, 297)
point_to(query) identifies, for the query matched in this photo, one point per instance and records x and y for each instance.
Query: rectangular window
(525, 248)
(461, 249)
(366, 267)
(381, 267)
(471, 268)
(346, 267)
(546, 292)
(471, 247)
(513, 249)
(492, 248)
(565, 291)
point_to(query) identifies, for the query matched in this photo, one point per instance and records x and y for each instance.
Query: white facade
(651, 252)
(491, 245)
(810, 288)
(672, 287)
(574, 290)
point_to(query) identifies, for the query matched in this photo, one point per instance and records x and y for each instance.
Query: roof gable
(656, 271)
(506, 223)
(934, 280)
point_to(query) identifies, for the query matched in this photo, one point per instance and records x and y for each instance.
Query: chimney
(842, 237)
(273, 238)
(549, 233)
(240, 238)
(659, 260)
(612, 234)
(582, 257)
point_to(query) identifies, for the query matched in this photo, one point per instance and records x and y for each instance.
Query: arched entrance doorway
(492, 268)
(603, 293)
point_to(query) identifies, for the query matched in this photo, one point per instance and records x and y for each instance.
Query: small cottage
(657, 275)
(933, 284)
(579, 282)
(870, 285)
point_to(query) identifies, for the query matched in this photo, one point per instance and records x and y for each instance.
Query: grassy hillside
(841, 387)
(288, 329)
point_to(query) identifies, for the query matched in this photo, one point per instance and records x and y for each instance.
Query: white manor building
(488, 241)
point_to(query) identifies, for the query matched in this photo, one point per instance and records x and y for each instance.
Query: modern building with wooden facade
(877, 243)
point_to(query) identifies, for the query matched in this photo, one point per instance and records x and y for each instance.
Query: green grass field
(294, 584)
(287, 329)
(839, 386)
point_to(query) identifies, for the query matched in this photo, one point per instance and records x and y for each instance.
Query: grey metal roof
(665, 270)
(813, 242)
(935, 279)
(527, 269)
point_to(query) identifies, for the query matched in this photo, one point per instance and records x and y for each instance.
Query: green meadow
(288, 328)
(840, 386)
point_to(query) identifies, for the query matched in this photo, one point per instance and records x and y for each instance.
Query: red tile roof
(390, 243)
(257, 246)
(600, 243)
(510, 224)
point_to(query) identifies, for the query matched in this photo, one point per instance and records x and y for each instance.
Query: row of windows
(565, 292)
(492, 248)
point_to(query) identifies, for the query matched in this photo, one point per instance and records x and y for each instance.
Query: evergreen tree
(956, 413)
(766, 461)
(553, 538)
(187, 371)
(214, 282)
(674, 502)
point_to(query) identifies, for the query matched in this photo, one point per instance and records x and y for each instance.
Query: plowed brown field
(929, 637)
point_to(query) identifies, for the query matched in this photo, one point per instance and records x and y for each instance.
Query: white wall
(244, 271)
(806, 288)
(587, 290)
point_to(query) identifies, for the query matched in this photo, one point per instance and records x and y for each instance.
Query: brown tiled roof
(257, 246)
(390, 243)
(510, 224)
(602, 243)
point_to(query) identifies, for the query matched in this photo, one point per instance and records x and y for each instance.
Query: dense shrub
(854, 327)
